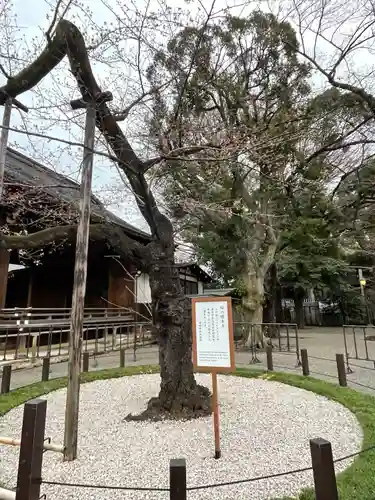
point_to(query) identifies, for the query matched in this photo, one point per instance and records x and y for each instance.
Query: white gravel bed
(265, 429)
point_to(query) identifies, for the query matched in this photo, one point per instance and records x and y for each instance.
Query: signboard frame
(214, 370)
(218, 369)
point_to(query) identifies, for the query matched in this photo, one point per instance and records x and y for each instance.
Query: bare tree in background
(247, 90)
(338, 40)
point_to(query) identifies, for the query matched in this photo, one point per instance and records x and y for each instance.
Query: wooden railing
(34, 333)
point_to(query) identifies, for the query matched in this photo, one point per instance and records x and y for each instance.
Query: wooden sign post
(213, 346)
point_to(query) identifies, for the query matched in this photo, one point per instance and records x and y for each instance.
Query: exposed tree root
(196, 404)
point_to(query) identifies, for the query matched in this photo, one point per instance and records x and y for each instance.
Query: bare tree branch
(339, 144)
(178, 153)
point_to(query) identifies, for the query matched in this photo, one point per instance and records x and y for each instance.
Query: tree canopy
(268, 185)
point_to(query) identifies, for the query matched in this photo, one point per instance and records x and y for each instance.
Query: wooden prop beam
(17, 442)
(80, 275)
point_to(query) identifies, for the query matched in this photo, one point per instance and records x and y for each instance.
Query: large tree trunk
(253, 307)
(254, 282)
(180, 396)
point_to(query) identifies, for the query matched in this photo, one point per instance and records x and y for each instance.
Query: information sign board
(213, 344)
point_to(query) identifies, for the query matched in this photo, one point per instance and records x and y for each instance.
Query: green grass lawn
(355, 483)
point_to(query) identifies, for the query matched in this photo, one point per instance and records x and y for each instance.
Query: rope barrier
(205, 486)
(102, 486)
(250, 480)
(351, 455)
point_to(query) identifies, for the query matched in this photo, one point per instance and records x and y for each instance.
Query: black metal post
(323, 469)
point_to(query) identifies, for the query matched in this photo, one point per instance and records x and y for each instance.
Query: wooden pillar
(4, 267)
(4, 254)
(323, 470)
(31, 451)
(341, 370)
(177, 479)
(305, 362)
(5, 379)
(78, 296)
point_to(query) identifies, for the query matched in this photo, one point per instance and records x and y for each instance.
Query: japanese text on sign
(212, 334)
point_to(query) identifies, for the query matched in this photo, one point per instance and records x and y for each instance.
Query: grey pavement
(322, 345)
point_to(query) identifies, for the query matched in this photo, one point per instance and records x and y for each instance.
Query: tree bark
(254, 280)
(299, 295)
(179, 394)
(253, 307)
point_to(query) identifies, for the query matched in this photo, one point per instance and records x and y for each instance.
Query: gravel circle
(265, 429)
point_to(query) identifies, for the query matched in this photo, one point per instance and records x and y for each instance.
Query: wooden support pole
(4, 254)
(5, 379)
(5, 134)
(177, 479)
(31, 451)
(4, 142)
(305, 363)
(79, 290)
(122, 358)
(269, 358)
(340, 362)
(86, 361)
(45, 368)
(323, 470)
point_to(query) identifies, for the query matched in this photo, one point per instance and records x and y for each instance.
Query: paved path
(321, 344)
